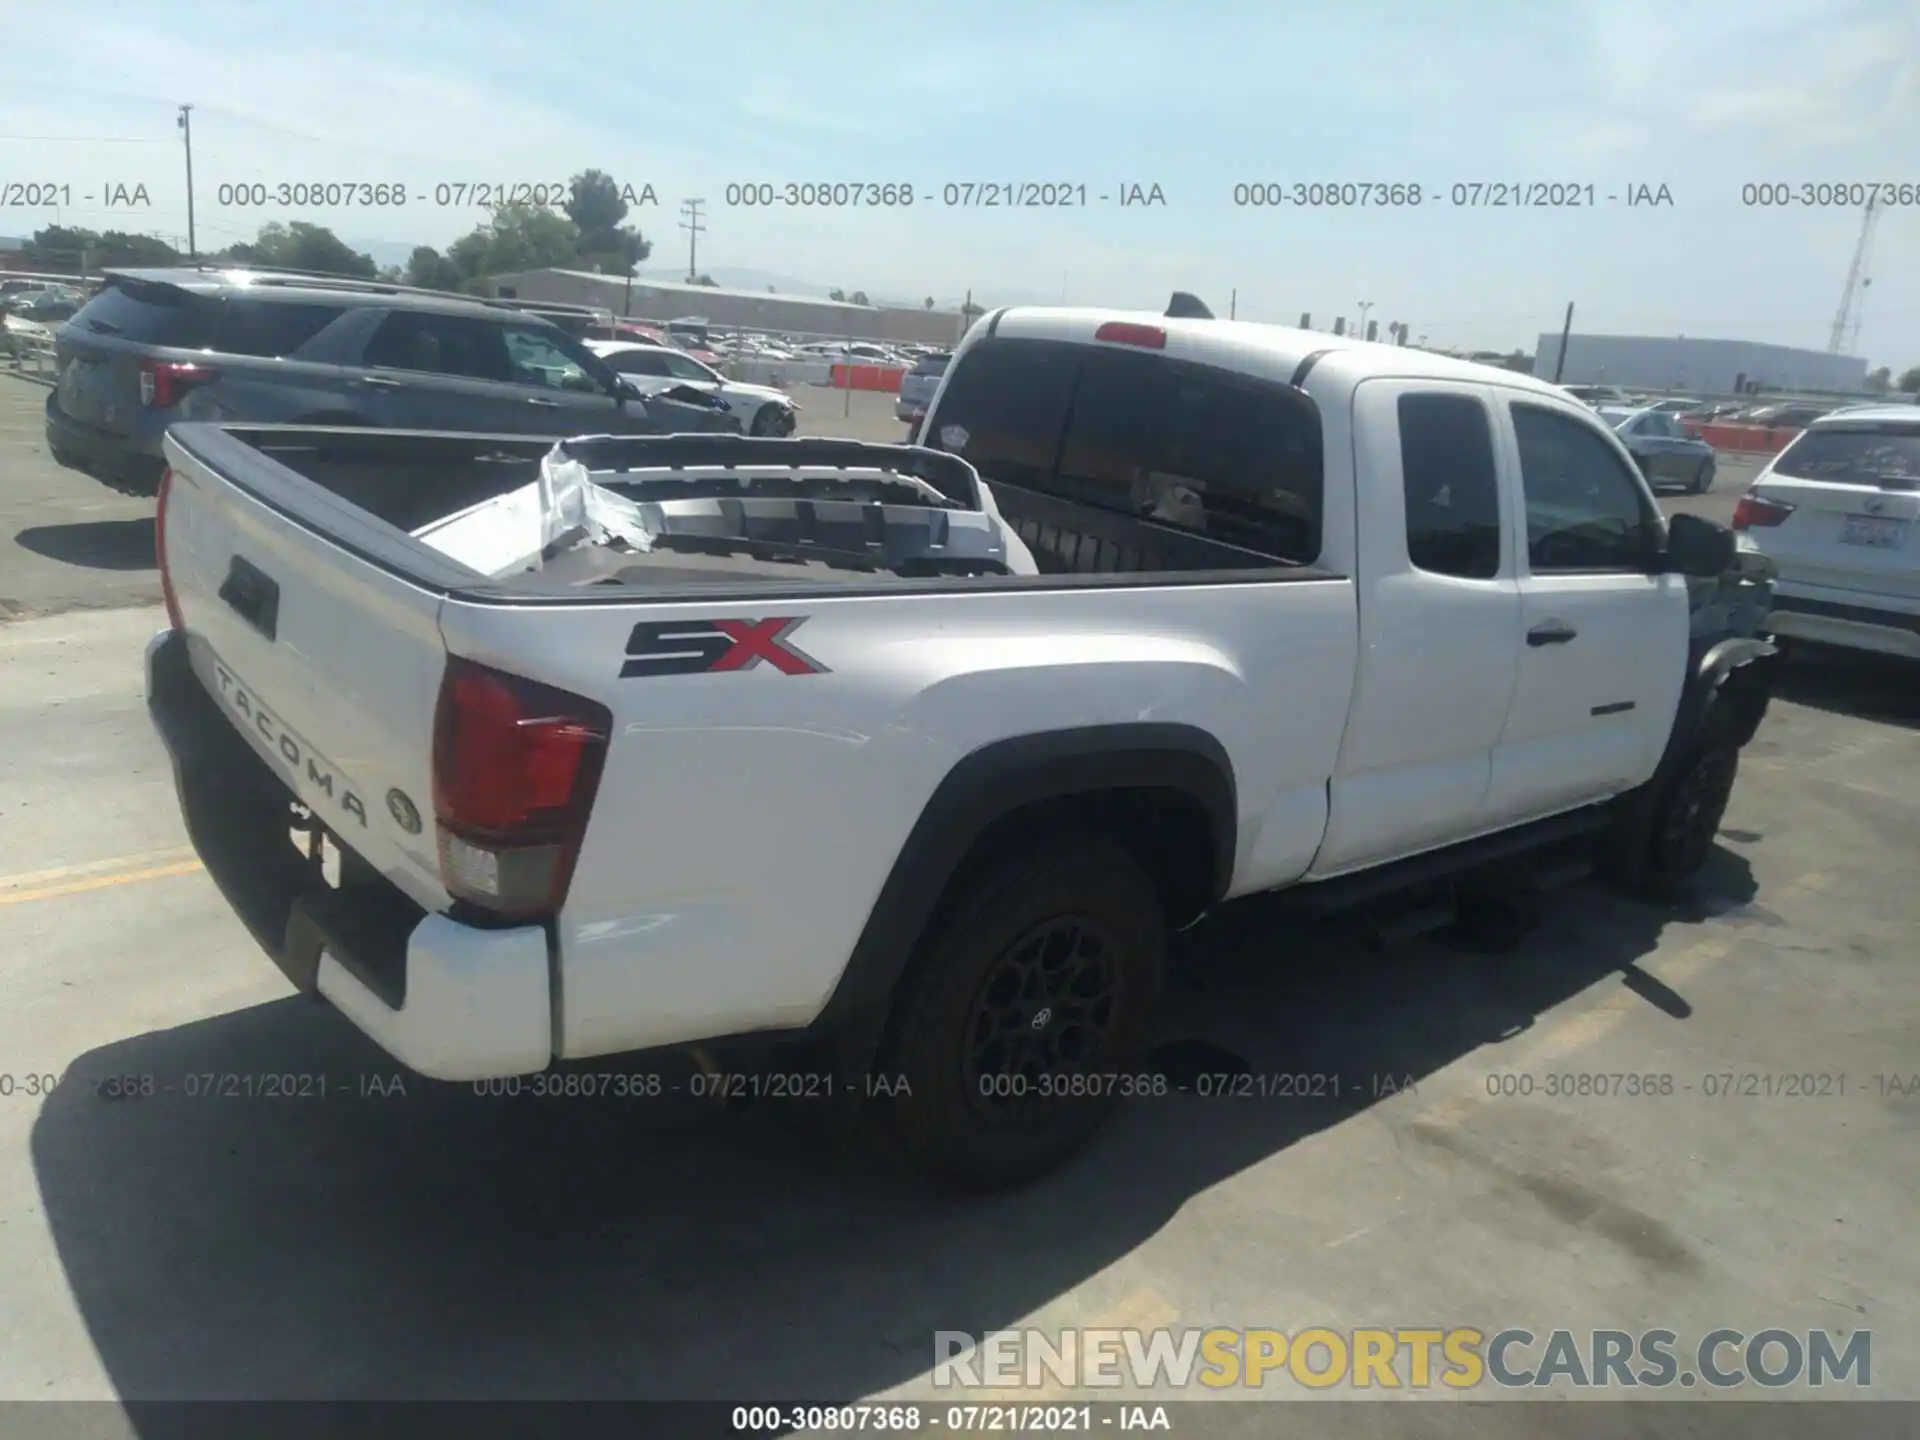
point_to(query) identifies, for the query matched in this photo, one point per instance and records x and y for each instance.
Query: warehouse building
(1707, 367)
(656, 300)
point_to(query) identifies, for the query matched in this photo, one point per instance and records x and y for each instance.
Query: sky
(1196, 98)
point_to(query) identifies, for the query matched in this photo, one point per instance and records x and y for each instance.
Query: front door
(1604, 651)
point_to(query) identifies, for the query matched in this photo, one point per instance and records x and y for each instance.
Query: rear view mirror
(1699, 547)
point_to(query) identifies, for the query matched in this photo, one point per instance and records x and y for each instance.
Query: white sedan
(1835, 511)
(761, 409)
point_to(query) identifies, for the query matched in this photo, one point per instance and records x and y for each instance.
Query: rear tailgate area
(329, 665)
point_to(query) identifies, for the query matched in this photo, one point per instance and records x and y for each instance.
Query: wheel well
(1167, 832)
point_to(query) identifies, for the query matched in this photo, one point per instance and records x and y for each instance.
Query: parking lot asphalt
(421, 1241)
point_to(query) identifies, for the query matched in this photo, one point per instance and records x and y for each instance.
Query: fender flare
(994, 782)
(1739, 667)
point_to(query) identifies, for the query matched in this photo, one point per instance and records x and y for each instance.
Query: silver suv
(158, 346)
(917, 387)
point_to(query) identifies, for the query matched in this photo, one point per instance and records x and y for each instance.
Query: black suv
(158, 346)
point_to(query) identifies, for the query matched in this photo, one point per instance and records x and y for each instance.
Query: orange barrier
(866, 377)
(1749, 439)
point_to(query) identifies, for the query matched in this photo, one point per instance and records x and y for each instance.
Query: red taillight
(160, 548)
(166, 382)
(515, 768)
(1753, 513)
(1125, 332)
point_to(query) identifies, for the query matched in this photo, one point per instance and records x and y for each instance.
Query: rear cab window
(1191, 446)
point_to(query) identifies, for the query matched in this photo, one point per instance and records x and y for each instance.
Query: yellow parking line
(96, 867)
(98, 882)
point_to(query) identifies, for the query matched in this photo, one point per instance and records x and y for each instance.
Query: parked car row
(155, 347)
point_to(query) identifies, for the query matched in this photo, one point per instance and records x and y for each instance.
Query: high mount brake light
(516, 765)
(1126, 332)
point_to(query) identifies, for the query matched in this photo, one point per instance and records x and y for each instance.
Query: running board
(1343, 892)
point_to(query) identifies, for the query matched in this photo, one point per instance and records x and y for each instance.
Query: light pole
(1364, 306)
(186, 132)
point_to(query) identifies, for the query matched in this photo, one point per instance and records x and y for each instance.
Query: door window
(1452, 492)
(1586, 510)
(640, 362)
(440, 345)
(537, 359)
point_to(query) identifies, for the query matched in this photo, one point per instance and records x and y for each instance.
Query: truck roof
(1273, 350)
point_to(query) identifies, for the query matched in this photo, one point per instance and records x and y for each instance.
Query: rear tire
(1703, 478)
(1041, 976)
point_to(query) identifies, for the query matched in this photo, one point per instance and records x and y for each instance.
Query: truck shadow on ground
(439, 1244)
(95, 544)
(1846, 682)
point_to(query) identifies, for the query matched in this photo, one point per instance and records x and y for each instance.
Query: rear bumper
(128, 458)
(451, 1001)
(1874, 627)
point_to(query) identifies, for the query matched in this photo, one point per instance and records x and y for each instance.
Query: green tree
(708, 280)
(836, 294)
(301, 246)
(596, 208)
(430, 270)
(67, 247)
(1910, 382)
(518, 236)
(859, 297)
(928, 302)
(1881, 379)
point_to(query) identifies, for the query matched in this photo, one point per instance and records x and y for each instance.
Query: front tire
(1036, 990)
(772, 420)
(1703, 477)
(1665, 833)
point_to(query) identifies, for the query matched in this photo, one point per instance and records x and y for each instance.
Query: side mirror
(1699, 547)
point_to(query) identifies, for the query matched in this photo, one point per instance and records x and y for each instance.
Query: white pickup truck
(912, 756)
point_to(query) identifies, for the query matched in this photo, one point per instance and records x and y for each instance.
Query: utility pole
(1361, 329)
(1566, 331)
(1233, 304)
(186, 131)
(693, 225)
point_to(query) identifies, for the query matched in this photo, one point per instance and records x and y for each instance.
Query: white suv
(1835, 512)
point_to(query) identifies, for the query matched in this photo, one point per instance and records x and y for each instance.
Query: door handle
(381, 382)
(543, 404)
(1551, 632)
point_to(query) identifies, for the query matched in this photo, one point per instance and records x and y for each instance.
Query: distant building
(731, 309)
(1710, 367)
